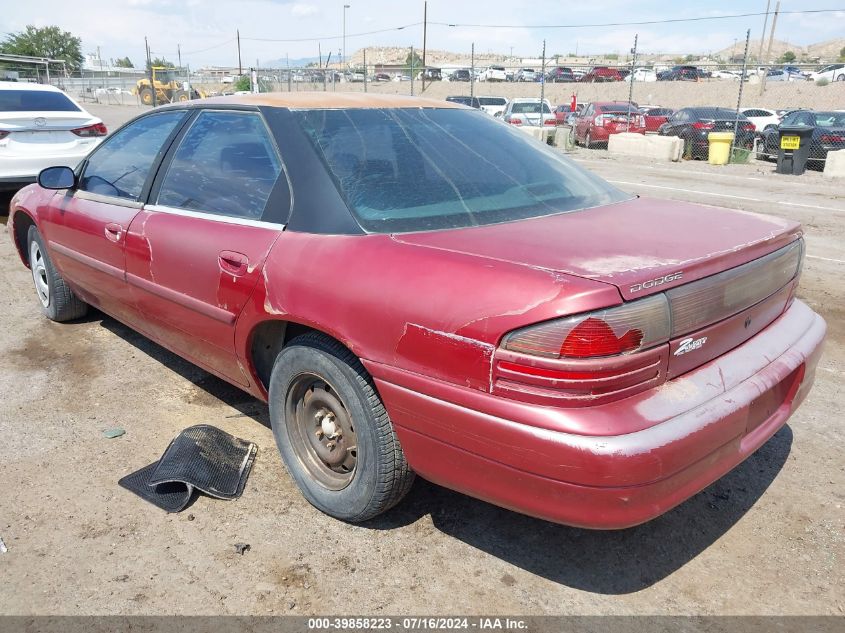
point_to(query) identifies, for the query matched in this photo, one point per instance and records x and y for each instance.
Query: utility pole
(472, 72)
(631, 76)
(412, 71)
(763, 32)
(179, 55)
(769, 49)
(543, 87)
(152, 73)
(365, 70)
(741, 81)
(425, 28)
(240, 65)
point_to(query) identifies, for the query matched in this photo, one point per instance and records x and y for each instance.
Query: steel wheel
(322, 433)
(39, 274)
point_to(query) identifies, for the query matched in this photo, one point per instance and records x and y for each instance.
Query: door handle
(114, 232)
(233, 263)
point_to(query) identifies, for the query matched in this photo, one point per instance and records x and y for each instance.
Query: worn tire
(381, 476)
(146, 95)
(58, 302)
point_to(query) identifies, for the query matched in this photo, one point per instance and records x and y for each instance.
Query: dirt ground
(766, 539)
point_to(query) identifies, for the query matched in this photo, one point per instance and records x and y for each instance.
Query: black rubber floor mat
(201, 457)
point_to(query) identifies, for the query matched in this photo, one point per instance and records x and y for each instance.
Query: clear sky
(205, 29)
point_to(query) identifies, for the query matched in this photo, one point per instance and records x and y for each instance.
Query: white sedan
(834, 72)
(40, 126)
(761, 117)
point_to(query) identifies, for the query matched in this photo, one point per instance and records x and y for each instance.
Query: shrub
(822, 82)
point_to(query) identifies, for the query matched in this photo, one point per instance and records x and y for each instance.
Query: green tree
(415, 61)
(242, 83)
(124, 62)
(787, 58)
(161, 61)
(842, 54)
(49, 41)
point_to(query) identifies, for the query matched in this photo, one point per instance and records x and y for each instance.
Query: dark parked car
(381, 77)
(655, 117)
(680, 73)
(694, 124)
(416, 288)
(473, 102)
(828, 133)
(460, 75)
(561, 74)
(601, 74)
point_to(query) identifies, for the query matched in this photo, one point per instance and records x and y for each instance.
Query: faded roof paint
(330, 100)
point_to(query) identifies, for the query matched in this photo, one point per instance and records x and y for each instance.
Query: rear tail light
(4, 134)
(749, 127)
(550, 122)
(624, 329)
(700, 303)
(701, 125)
(515, 121)
(98, 129)
(825, 138)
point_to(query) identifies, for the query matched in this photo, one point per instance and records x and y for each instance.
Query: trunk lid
(641, 246)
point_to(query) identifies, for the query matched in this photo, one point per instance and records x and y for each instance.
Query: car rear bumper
(468, 443)
(24, 168)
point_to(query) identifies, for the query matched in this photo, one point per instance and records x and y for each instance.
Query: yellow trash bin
(720, 147)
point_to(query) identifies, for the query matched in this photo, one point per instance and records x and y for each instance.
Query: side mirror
(57, 178)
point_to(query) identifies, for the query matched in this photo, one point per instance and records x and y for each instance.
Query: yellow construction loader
(167, 86)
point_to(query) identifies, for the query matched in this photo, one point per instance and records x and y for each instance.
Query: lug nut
(331, 446)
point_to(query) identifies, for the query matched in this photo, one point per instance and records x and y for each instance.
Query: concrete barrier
(542, 134)
(661, 148)
(834, 166)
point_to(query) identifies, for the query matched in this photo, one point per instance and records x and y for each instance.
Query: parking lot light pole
(343, 61)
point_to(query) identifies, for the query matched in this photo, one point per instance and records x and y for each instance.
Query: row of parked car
(592, 124)
(597, 74)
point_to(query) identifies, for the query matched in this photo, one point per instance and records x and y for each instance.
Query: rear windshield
(830, 119)
(35, 101)
(492, 100)
(422, 169)
(618, 107)
(716, 113)
(528, 107)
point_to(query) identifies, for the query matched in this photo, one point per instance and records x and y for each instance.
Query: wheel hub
(322, 432)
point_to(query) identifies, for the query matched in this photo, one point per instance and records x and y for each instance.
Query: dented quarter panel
(434, 313)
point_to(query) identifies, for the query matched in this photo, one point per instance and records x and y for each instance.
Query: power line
(636, 23)
(221, 44)
(331, 37)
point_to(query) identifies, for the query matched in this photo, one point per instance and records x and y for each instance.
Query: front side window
(419, 169)
(226, 164)
(120, 166)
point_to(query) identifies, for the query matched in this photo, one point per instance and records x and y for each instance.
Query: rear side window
(226, 164)
(35, 101)
(120, 166)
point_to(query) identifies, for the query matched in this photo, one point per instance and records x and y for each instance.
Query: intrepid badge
(690, 345)
(653, 283)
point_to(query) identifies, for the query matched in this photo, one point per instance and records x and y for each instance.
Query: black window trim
(276, 209)
(145, 190)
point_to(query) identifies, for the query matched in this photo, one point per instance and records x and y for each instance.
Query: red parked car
(416, 288)
(600, 119)
(654, 117)
(602, 74)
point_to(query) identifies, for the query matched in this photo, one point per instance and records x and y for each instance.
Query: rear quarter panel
(429, 311)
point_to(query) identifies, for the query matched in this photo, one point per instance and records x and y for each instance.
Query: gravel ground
(766, 539)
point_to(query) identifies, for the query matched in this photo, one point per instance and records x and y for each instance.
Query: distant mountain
(826, 51)
(294, 63)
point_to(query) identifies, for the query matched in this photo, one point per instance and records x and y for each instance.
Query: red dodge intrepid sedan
(416, 288)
